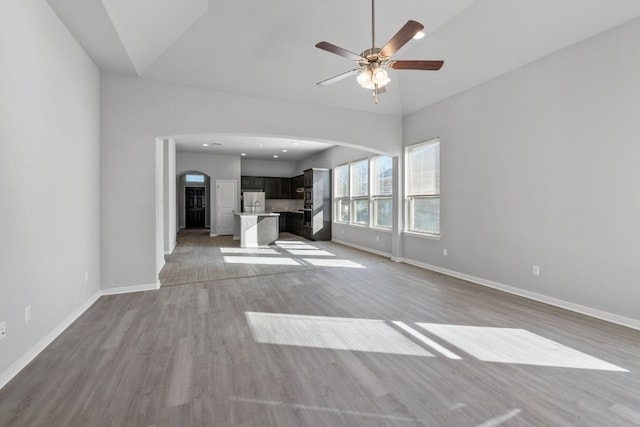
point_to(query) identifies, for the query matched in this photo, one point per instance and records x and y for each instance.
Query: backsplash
(283, 204)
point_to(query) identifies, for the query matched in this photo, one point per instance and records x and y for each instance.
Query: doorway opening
(193, 191)
(195, 206)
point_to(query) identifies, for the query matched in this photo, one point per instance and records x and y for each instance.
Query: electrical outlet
(377, 238)
(27, 313)
(444, 252)
(535, 270)
(3, 330)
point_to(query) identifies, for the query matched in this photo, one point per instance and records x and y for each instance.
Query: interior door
(195, 207)
(226, 198)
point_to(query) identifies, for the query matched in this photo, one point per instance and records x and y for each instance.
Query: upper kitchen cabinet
(308, 178)
(277, 188)
(297, 182)
(285, 188)
(252, 183)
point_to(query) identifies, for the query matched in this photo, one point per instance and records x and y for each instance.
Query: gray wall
(339, 155)
(540, 167)
(49, 186)
(276, 168)
(135, 111)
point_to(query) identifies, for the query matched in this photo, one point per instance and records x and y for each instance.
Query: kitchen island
(256, 229)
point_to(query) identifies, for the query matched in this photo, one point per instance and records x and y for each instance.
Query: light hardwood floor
(333, 338)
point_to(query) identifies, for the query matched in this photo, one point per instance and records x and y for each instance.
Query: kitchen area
(300, 205)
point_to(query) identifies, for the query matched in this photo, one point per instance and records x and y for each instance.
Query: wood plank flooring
(286, 344)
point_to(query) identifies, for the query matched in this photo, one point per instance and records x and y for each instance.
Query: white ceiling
(255, 148)
(266, 48)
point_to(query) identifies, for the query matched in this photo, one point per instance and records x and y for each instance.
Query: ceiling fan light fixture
(380, 77)
(369, 78)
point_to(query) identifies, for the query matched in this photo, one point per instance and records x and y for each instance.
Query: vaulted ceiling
(266, 48)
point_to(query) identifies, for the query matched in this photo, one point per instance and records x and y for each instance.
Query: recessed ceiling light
(296, 143)
(243, 154)
(284, 151)
(261, 145)
(275, 155)
(205, 145)
(419, 35)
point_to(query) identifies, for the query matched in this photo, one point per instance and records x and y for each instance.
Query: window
(360, 191)
(423, 187)
(381, 191)
(194, 178)
(363, 192)
(341, 192)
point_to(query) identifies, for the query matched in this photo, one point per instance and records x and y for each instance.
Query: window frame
(376, 197)
(411, 197)
(342, 199)
(351, 200)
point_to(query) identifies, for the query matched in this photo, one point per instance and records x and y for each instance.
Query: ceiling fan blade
(339, 51)
(416, 65)
(338, 77)
(405, 34)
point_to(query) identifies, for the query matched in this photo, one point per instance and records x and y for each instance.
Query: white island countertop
(257, 214)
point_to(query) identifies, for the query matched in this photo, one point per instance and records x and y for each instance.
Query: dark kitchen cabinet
(297, 182)
(271, 188)
(277, 188)
(295, 226)
(308, 178)
(318, 182)
(252, 183)
(285, 188)
(284, 220)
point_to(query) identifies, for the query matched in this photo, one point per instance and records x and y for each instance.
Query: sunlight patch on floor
(250, 251)
(518, 346)
(260, 260)
(297, 247)
(336, 333)
(333, 263)
(309, 252)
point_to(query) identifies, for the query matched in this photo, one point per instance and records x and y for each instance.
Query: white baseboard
(31, 354)
(598, 314)
(172, 249)
(213, 235)
(17, 366)
(128, 289)
(362, 248)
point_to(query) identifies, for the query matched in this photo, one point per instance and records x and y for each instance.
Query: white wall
(339, 155)
(216, 166)
(282, 169)
(540, 167)
(169, 194)
(49, 183)
(135, 111)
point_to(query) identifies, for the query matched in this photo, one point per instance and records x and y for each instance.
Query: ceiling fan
(373, 62)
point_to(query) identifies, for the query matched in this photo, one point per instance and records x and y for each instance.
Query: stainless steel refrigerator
(253, 201)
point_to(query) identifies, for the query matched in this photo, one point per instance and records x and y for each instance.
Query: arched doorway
(193, 197)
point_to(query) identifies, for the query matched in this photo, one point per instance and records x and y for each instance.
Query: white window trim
(350, 199)
(408, 198)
